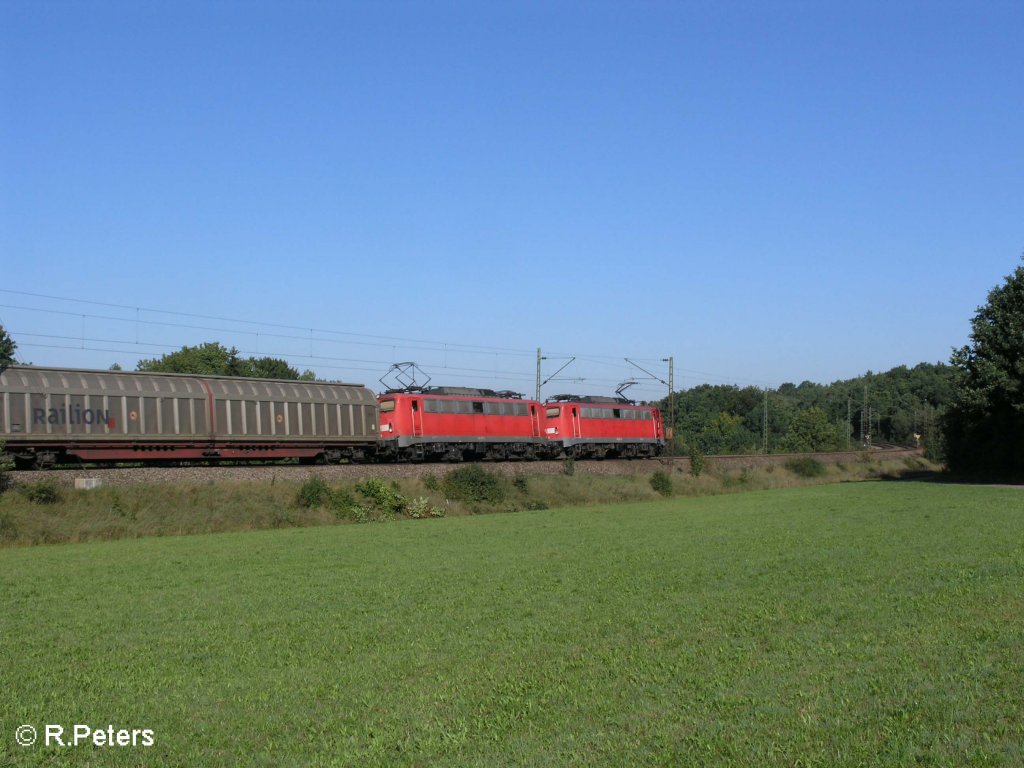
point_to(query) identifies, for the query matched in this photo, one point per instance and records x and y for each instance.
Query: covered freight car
(50, 416)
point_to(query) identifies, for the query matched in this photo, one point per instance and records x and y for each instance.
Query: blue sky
(765, 191)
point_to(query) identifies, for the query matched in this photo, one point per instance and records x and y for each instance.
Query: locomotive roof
(592, 399)
(457, 392)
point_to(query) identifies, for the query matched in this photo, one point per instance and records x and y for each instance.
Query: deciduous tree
(270, 368)
(7, 348)
(810, 430)
(214, 359)
(984, 426)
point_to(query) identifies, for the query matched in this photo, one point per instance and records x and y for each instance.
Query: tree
(270, 368)
(984, 426)
(811, 430)
(726, 433)
(7, 349)
(214, 359)
(209, 359)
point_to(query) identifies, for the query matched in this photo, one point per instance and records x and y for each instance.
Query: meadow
(858, 624)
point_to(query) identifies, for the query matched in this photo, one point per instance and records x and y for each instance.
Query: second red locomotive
(603, 427)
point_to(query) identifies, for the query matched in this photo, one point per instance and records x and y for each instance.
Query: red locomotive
(603, 427)
(459, 423)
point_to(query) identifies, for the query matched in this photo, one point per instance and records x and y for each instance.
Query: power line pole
(538, 374)
(849, 418)
(766, 420)
(671, 428)
(865, 420)
(671, 394)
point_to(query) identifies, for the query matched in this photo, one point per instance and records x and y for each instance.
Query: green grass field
(842, 625)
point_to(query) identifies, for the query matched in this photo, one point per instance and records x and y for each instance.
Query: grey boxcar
(50, 415)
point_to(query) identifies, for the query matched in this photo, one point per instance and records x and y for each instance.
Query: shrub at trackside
(474, 484)
(41, 492)
(697, 461)
(5, 477)
(370, 499)
(806, 467)
(662, 483)
(384, 498)
(313, 493)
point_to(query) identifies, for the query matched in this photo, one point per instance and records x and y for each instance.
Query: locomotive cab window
(552, 413)
(387, 406)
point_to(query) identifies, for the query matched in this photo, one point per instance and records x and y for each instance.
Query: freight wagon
(50, 415)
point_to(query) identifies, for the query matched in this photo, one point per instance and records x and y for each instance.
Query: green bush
(345, 507)
(474, 483)
(386, 498)
(313, 493)
(41, 492)
(430, 482)
(421, 507)
(805, 467)
(697, 461)
(662, 483)
(5, 479)
(569, 466)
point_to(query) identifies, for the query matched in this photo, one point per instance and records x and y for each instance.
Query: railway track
(121, 476)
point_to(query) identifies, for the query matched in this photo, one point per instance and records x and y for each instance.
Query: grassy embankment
(841, 625)
(40, 512)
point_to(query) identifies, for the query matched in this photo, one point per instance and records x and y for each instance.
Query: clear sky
(765, 191)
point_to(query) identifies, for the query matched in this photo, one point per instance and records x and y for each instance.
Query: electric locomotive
(591, 427)
(460, 423)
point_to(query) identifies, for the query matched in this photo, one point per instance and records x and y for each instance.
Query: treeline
(901, 406)
(214, 359)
